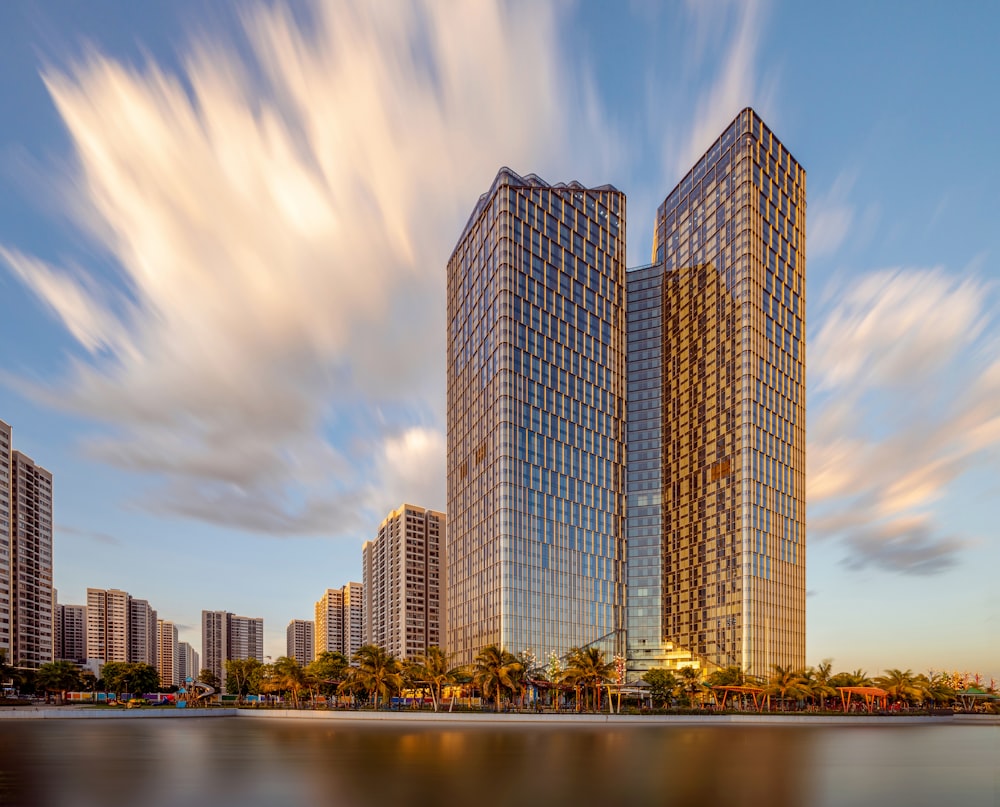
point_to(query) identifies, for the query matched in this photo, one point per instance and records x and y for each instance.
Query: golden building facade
(716, 502)
(536, 420)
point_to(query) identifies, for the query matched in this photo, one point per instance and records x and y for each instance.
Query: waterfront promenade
(492, 719)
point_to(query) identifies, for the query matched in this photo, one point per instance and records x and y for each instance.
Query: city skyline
(183, 441)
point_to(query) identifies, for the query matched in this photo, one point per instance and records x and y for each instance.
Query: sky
(223, 237)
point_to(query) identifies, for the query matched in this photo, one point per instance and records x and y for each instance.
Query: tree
(786, 682)
(58, 676)
(901, 686)
(287, 676)
(434, 669)
(690, 682)
(817, 682)
(663, 684)
(586, 667)
(209, 678)
(327, 671)
(134, 677)
(495, 670)
(377, 673)
(244, 677)
(732, 676)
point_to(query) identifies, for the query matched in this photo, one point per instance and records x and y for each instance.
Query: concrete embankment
(494, 720)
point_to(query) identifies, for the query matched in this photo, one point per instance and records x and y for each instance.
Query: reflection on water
(231, 761)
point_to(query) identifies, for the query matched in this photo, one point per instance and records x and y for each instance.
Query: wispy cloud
(906, 390)
(729, 32)
(279, 217)
(830, 218)
(96, 536)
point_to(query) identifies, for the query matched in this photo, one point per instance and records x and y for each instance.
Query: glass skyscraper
(536, 420)
(716, 424)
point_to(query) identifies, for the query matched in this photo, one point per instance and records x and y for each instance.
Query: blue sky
(223, 232)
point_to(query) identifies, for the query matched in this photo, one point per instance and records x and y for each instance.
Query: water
(234, 761)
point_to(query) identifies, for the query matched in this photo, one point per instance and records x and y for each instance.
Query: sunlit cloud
(279, 217)
(905, 405)
(732, 31)
(831, 217)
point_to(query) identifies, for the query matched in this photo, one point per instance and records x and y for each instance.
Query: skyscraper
(716, 484)
(32, 597)
(300, 641)
(120, 627)
(142, 624)
(71, 633)
(6, 475)
(166, 654)
(339, 622)
(404, 582)
(228, 637)
(187, 661)
(536, 420)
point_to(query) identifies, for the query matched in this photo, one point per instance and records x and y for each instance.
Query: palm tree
(58, 676)
(434, 669)
(901, 685)
(378, 673)
(494, 670)
(286, 675)
(690, 682)
(586, 667)
(936, 687)
(787, 682)
(816, 681)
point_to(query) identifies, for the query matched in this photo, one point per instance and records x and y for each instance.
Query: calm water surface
(223, 761)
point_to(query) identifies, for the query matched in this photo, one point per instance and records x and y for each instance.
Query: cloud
(97, 537)
(830, 218)
(904, 405)
(278, 217)
(729, 32)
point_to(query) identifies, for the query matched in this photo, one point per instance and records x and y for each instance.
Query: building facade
(166, 654)
(188, 662)
(143, 645)
(716, 485)
(6, 513)
(338, 624)
(120, 627)
(536, 420)
(71, 633)
(228, 637)
(403, 579)
(300, 641)
(32, 596)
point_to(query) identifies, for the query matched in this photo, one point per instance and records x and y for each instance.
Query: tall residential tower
(716, 484)
(404, 582)
(536, 420)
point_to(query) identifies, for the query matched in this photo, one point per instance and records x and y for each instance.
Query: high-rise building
(120, 627)
(403, 579)
(338, 623)
(300, 642)
(536, 420)
(142, 623)
(187, 662)
(166, 656)
(30, 552)
(228, 637)
(716, 481)
(71, 633)
(6, 477)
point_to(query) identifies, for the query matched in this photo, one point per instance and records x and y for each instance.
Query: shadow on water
(222, 762)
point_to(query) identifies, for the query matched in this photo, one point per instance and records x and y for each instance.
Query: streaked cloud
(732, 31)
(98, 537)
(830, 218)
(279, 217)
(906, 386)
